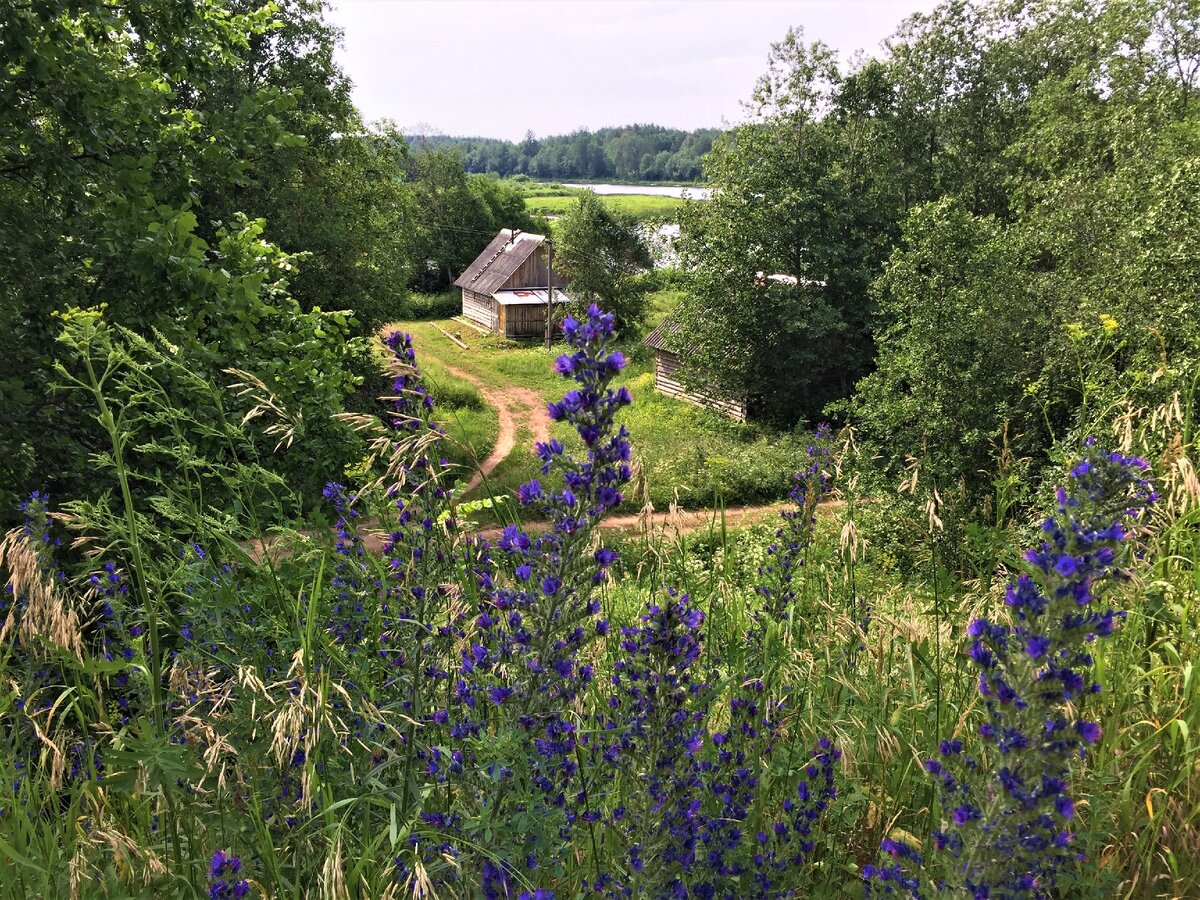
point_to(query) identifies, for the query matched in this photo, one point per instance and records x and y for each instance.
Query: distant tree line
(628, 153)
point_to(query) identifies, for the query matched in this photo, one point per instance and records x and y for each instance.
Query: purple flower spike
(1034, 678)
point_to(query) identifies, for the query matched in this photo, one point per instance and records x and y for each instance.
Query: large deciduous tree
(132, 140)
(454, 215)
(783, 203)
(603, 253)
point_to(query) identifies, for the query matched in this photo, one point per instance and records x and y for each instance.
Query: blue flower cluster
(1009, 809)
(466, 668)
(224, 881)
(537, 608)
(419, 624)
(592, 486)
(697, 827)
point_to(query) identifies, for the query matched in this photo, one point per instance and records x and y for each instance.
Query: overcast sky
(495, 68)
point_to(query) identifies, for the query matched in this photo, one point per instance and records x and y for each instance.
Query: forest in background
(628, 153)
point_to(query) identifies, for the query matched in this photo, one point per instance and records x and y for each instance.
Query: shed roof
(664, 336)
(529, 297)
(499, 260)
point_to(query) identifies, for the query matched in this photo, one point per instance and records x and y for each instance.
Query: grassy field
(687, 455)
(639, 206)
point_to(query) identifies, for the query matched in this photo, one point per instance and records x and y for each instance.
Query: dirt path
(523, 408)
(673, 522)
(516, 408)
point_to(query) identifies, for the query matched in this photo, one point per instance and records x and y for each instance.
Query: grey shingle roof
(664, 336)
(496, 264)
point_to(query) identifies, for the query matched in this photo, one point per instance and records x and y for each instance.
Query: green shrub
(445, 305)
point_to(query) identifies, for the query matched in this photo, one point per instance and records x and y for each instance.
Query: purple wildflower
(1034, 679)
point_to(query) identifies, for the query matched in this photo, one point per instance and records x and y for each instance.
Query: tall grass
(639, 206)
(183, 679)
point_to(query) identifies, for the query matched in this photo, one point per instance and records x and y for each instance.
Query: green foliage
(601, 251)
(334, 187)
(445, 305)
(1071, 305)
(956, 355)
(264, 669)
(134, 175)
(995, 206)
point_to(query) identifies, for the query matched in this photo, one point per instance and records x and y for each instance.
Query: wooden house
(506, 288)
(663, 340)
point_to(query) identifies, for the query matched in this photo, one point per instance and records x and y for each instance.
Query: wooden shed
(663, 340)
(506, 289)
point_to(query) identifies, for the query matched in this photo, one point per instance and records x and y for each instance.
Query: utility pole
(550, 289)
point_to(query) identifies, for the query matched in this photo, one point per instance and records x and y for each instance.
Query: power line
(476, 231)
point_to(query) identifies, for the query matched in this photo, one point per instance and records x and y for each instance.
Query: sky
(496, 68)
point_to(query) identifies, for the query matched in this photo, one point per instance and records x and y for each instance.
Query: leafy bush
(445, 305)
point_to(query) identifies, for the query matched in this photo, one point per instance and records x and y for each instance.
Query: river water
(652, 190)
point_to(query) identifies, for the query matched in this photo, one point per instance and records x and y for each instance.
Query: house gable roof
(498, 261)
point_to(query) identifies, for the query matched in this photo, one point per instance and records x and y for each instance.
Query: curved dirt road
(672, 522)
(515, 408)
(520, 408)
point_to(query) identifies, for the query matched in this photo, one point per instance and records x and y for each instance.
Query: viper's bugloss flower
(535, 610)
(1008, 806)
(699, 816)
(777, 575)
(223, 872)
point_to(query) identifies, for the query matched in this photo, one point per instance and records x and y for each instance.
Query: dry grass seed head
(332, 880)
(850, 543)
(135, 864)
(47, 614)
(418, 884)
(305, 714)
(287, 424)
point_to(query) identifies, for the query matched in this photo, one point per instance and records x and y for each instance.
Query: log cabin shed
(664, 341)
(506, 288)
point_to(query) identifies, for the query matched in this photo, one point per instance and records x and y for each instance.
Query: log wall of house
(480, 308)
(666, 366)
(523, 321)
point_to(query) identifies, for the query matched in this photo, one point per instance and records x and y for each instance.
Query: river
(652, 190)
